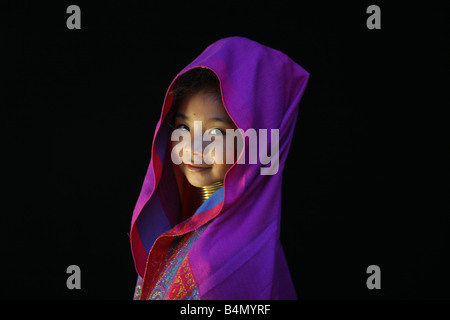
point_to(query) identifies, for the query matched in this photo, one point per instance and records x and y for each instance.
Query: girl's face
(214, 119)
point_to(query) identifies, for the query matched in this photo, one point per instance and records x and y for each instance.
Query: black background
(364, 181)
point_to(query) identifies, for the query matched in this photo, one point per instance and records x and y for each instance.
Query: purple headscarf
(239, 255)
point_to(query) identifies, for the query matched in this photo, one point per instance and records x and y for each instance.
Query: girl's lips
(197, 169)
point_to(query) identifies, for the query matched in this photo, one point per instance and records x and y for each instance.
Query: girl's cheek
(217, 157)
(232, 149)
(180, 152)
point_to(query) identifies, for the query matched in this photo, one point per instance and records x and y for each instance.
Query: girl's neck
(195, 197)
(207, 191)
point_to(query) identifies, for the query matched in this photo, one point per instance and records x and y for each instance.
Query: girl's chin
(199, 182)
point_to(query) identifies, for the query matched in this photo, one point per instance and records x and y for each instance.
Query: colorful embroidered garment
(175, 281)
(230, 247)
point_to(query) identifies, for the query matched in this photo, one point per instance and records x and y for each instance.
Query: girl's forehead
(202, 105)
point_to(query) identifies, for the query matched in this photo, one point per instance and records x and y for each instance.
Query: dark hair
(190, 83)
(194, 81)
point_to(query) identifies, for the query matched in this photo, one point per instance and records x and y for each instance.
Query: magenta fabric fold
(239, 254)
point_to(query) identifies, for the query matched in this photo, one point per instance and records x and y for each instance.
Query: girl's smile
(197, 168)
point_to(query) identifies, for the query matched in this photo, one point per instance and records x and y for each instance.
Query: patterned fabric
(138, 289)
(175, 280)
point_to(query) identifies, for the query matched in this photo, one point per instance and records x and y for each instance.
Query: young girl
(205, 228)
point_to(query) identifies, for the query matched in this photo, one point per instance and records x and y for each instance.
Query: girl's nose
(197, 147)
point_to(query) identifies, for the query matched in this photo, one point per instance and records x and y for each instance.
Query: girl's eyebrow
(218, 118)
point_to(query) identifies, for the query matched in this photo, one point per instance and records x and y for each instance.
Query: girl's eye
(182, 127)
(216, 132)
